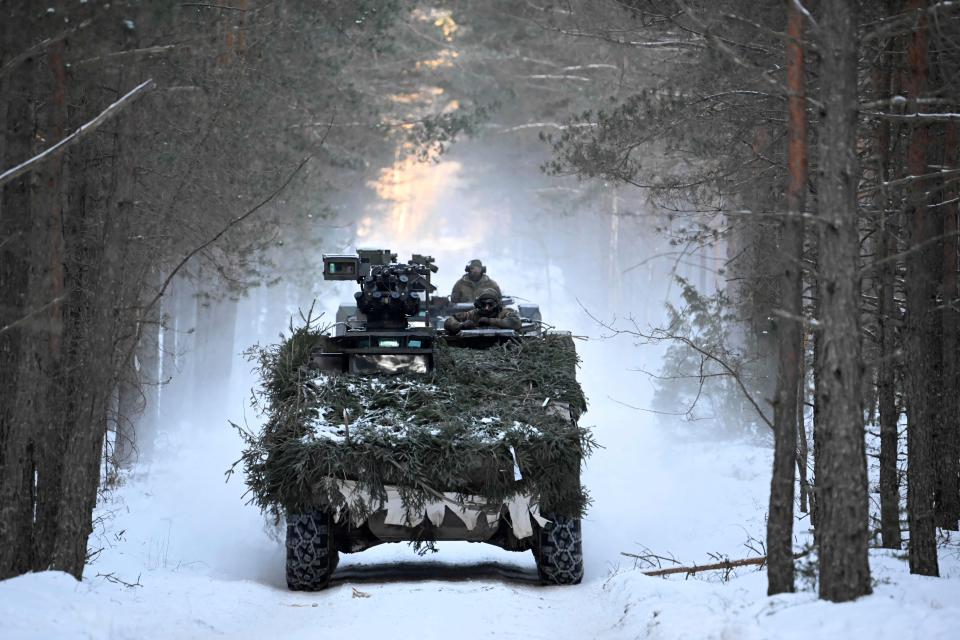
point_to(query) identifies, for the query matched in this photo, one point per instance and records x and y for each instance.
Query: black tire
(558, 550)
(311, 555)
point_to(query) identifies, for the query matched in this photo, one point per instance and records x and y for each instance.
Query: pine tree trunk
(17, 447)
(129, 408)
(816, 422)
(921, 330)
(49, 199)
(780, 570)
(89, 350)
(803, 453)
(172, 309)
(887, 317)
(842, 476)
(148, 375)
(9, 313)
(98, 328)
(948, 512)
(886, 394)
(213, 351)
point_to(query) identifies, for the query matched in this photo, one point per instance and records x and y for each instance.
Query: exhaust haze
(544, 240)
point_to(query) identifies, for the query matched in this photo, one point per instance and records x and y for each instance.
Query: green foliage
(698, 387)
(432, 135)
(455, 429)
(653, 139)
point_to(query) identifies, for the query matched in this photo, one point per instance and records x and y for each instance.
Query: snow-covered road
(207, 566)
(467, 597)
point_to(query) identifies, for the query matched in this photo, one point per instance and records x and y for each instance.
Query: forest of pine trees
(816, 141)
(866, 239)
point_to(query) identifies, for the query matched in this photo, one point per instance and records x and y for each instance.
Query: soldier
(474, 281)
(489, 312)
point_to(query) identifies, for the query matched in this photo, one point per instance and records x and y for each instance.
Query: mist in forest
(557, 246)
(745, 215)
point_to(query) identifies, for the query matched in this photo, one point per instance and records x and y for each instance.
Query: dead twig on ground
(725, 564)
(650, 558)
(112, 577)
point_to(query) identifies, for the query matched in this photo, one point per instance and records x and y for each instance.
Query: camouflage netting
(455, 429)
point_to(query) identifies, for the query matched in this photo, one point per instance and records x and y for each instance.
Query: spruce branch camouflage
(451, 430)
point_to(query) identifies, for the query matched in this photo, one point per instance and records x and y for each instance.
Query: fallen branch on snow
(723, 565)
(112, 577)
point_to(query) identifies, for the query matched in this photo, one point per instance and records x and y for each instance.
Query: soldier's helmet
(488, 302)
(475, 267)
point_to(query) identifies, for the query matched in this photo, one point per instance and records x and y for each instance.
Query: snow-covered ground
(206, 565)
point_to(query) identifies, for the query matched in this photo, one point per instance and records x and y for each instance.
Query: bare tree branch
(128, 53)
(211, 6)
(30, 314)
(76, 136)
(725, 565)
(902, 22)
(662, 334)
(907, 252)
(915, 117)
(20, 58)
(222, 232)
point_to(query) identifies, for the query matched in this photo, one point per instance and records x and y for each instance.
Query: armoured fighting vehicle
(504, 471)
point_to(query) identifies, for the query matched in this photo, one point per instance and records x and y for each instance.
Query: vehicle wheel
(558, 550)
(311, 556)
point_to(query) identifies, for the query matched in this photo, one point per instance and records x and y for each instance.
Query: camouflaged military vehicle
(384, 429)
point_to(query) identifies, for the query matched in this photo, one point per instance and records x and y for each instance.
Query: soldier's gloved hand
(468, 324)
(451, 326)
(483, 322)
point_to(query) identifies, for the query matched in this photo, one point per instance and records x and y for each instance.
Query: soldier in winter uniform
(489, 312)
(472, 283)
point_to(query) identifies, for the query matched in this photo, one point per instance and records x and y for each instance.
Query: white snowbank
(209, 567)
(187, 604)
